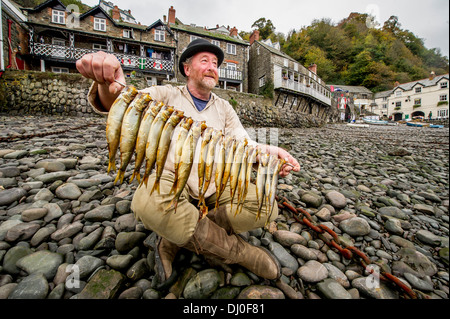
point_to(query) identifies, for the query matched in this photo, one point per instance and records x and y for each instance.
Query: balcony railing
(228, 74)
(282, 82)
(127, 60)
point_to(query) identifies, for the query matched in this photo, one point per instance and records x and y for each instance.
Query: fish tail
(173, 203)
(155, 187)
(119, 177)
(111, 166)
(135, 173)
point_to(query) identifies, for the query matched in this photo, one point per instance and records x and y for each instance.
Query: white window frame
(231, 48)
(443, 97)
(58, 16)
(129, 34)
(100, 47)
(286, 62)
(231, 66)
(398, 104)
(262, 81)
(194, 37)
(57, 69)
(418, 89)
(160, 35)
(442, 113)
(216, 42)
(398, 93)
(418, 101)
(444, 85)
(99, 24)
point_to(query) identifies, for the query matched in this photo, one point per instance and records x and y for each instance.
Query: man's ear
(186, 69)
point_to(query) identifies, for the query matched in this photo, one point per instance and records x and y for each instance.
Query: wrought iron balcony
(71, 54)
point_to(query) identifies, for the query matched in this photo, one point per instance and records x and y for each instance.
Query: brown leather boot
(211, 240)
(165, 253)
(220, 217)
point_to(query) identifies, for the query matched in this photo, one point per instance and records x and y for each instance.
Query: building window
(231, 48)
(194, 37)
(398, 105)
(58, 17)
(128, 34)
(442, 113)
(398, 93)
(443, 97)
(101, 47)
(296, 67)
(160, 35)
(444, 85)
(231, 66)
(286, 62)
(56, 69)
(262, 81)
(100, 24)
(215, 42)
(418, 90)
(384, 106)
(417, 101)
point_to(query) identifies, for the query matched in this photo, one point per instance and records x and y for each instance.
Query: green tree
(265, 27)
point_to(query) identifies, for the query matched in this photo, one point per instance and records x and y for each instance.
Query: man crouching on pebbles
(215, 237)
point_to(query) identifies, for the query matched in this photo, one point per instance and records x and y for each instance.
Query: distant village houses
(51, 37)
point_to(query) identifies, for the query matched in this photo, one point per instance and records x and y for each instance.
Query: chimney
(164, 18)
(313, 68)
(171, 15)
(254, 36)
(234, 32)
(432, 75)
(397, 83)
(116, 13)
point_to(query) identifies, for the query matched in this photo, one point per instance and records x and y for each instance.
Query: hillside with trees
(350, 53)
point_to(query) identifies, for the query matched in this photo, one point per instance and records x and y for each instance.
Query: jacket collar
(186, 93)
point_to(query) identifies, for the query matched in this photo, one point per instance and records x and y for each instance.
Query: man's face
(202, 71)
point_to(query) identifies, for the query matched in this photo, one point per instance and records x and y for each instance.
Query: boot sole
(277, 263)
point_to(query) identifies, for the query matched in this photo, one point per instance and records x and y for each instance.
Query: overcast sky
(427, 19)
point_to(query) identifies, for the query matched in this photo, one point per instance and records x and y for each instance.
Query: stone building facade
(233, 73)
(290, 84)
(58, 38)
(13, 36)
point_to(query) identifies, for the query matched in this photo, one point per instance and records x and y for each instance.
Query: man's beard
(209, 83)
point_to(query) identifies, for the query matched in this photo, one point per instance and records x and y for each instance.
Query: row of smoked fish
(138, 125)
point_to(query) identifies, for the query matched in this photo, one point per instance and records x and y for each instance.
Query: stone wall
(31, 92)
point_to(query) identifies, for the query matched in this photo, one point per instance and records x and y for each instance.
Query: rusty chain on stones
(42, 134)
(349, 252)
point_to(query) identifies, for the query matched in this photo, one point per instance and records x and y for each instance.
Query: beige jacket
(218, 114)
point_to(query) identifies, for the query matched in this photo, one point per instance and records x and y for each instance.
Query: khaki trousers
(179, 227)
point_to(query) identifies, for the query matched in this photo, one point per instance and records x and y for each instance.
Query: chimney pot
(116, 13)
(171, 15)
(313, 68)
(432, 75)
(254, 36)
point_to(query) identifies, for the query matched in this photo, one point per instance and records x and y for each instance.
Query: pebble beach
(66, 229)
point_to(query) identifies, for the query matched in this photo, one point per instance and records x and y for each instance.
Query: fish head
(141, 101)
(203, 126)
(264, 159)
(187, 123)
(156, 107)
(176, 117)
(207, 133)
(128, 93)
